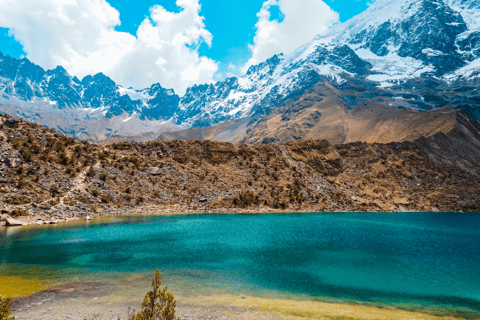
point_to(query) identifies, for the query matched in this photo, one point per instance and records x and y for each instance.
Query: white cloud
(76, 34)
(303, 20)
(80, 35)
(232, 71)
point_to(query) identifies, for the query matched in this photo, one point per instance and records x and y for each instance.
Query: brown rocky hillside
(323, 113)
(47, 176)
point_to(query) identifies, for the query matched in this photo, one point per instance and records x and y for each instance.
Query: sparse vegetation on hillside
(79, 178)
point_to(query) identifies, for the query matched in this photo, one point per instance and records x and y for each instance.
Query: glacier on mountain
(392, 42)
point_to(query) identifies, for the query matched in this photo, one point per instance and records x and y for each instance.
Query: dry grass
(301, 176)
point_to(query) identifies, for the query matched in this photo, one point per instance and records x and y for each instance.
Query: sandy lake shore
(98, 301)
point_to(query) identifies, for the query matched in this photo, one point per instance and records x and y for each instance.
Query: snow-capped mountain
(422, 30)
(414, 47)
(263, 87)
(404, 39)
(29, 82)
(391, 43)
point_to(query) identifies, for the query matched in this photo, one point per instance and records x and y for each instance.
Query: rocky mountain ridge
(411, 54)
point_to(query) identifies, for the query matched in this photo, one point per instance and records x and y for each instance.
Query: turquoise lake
(430, 259)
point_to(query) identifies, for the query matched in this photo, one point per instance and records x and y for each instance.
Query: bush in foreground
(158, 304)
(5, 310)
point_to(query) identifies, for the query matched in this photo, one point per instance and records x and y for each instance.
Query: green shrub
(158, 304)
(91, 172)
(21, 183)
(95, 193)
(102, 155)
(246, 199)
(5, 310)
(17, 201)
(279, 205)
(30, 139)
(59, 146)
(105, 198)
(63, 159)
(31, 171)
(27, 155)
(19, 170)
(54, 190)
(18, 213)
(71, 171)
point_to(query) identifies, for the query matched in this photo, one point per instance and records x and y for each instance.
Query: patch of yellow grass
(14, 286)
(313, 309)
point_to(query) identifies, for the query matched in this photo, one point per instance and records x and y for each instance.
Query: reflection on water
(430, 259)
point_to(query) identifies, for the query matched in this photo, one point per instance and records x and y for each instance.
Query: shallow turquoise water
(417, 258)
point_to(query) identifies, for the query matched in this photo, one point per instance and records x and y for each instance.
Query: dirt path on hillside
(287, 156)
(78, 184)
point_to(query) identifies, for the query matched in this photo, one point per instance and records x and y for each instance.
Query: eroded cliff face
(49, 176)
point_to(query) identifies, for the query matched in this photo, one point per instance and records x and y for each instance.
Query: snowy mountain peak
(464, 4)
(391, 43)
(271, 64)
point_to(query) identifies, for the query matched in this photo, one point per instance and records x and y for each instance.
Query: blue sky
(232, 25)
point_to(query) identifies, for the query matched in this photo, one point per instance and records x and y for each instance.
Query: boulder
(154, 171)
(13, 223)
(88, 218)
(13, 162)
(11, 123)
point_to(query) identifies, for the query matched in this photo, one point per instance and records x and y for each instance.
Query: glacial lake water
(429, 259)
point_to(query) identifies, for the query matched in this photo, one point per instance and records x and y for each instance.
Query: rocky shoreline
(71, 215)
(48, 178)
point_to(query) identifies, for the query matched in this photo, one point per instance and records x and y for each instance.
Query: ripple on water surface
(413, 258)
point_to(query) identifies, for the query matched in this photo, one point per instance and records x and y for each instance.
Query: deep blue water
(427, 258)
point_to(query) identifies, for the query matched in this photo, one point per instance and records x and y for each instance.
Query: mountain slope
(323, 114)
(407, 54)
(47, 176)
